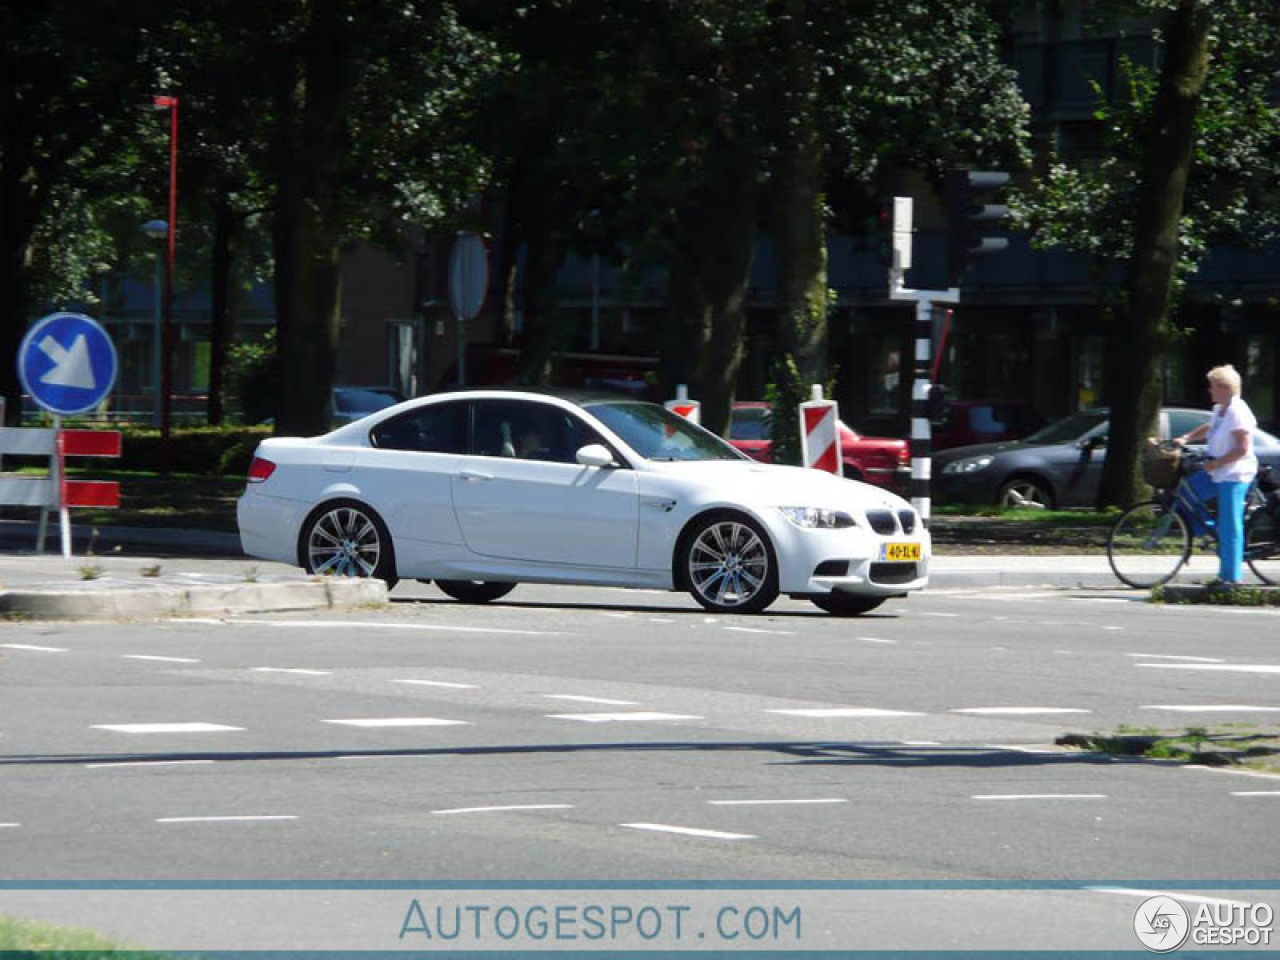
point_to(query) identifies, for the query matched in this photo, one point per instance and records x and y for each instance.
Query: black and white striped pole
(921, 441)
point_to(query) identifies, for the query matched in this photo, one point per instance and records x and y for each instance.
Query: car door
(408, 474)
(522, 495)
(1079, 467)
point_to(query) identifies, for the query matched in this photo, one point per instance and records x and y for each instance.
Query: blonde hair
(1226, 375)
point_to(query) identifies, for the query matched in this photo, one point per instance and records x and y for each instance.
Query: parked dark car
(352, 403)
(883, 461)
(1058, 466)
(985, 421)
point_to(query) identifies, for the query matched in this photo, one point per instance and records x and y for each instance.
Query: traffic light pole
(920, 445)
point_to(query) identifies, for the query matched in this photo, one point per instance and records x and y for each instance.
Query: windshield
(658, 434)
(1069, 428)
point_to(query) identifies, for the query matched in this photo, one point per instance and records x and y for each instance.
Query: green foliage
(224, 451)
(254, 378)
(785, 392)
(1087, 204)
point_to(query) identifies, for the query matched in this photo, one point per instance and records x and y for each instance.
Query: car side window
(750, 423)
(434, 428)
(529, 431)
(1184, 421)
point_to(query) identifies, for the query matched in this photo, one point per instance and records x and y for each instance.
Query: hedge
(224, 451)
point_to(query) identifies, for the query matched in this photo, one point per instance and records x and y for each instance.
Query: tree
(1190, 159)
(74, 75)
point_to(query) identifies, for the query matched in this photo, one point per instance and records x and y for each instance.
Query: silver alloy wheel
(728, 563)
(344, 542)
(1027, 494)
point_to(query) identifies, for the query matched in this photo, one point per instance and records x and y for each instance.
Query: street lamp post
(166, 340)
(156, 230)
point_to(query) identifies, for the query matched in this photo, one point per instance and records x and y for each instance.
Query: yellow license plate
(901, 551)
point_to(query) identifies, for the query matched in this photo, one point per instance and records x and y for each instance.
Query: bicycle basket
(1160, 464)
(1268, 481)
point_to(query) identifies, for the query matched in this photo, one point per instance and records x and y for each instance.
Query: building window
(1260, 376)
(886, 374)
(1090, 350)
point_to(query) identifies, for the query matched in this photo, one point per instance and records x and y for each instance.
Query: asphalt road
(581, 733)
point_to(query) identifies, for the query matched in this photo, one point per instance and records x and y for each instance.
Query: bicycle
(1151, 541)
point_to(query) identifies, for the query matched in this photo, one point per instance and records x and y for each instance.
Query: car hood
(773, 485)
(987, 449)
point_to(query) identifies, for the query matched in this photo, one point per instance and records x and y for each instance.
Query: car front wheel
(347, 539)
(728, 565)
(475, 591)
(1027, 493)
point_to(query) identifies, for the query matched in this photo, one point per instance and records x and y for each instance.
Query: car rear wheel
(729, 566)
(841, 604)
(475, 591)
(1026, 492)
(344, 538)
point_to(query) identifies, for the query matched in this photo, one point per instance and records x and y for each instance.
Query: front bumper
(813, 562)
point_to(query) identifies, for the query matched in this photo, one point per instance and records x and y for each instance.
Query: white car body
(467, 517)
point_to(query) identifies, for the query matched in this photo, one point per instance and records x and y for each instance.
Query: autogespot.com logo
(1161, 924)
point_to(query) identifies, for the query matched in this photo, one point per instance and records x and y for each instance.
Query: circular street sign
(468, 276)
(67, 363)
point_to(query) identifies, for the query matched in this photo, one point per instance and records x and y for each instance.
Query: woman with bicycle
(1231, 466)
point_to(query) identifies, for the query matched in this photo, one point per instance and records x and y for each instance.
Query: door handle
(472, 476)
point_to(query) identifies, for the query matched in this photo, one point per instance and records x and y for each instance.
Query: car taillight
(260, 469)
(904, 456)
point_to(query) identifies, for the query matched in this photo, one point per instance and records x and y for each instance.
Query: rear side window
(435, 428)
(750, 423)
(1184, 421)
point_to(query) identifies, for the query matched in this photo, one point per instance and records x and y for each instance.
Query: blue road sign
(67, 363)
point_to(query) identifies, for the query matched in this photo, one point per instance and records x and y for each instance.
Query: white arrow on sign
(72, 368)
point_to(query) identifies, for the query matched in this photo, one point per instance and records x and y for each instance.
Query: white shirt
(1236, 415)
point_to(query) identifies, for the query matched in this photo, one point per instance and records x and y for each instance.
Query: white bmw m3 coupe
(482, 490)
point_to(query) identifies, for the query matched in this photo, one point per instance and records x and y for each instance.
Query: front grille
(882, 522)
(893, 572)
(832, 568)
(908, 520)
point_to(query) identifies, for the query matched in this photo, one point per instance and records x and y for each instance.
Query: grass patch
(63, 943)
(1082, 518)
(1228, 745)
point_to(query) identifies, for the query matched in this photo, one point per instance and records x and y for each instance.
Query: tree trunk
(19, 205)
(308, 225)
(798, 208)
(1142, 336)
(710, 275)
(222, 308)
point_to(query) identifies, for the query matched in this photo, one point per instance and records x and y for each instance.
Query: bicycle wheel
(1148, 544)
(1262, 544)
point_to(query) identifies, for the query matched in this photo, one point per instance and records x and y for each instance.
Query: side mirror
(595, 455)
(1093, 443)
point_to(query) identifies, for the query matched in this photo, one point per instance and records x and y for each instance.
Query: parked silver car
(1058, 466)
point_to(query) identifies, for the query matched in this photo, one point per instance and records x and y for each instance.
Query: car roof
(579, 396)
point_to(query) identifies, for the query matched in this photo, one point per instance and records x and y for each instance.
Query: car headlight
(968, 464)
(816, 518)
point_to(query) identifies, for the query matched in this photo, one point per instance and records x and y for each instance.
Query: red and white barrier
(53, 491)
(820, 434)
(689, 409)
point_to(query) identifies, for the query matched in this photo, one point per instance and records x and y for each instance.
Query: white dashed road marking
(4, 826)
(146, 763)
(1228, 667)
(1211, 708)
(1039, 796)
(359, 625)
(1169, 656)
(438, 683)
(143, 656)
(526, 806)
(603, 700)
(1178, 894)
(1255, 793)
(235, 819)
(775, 633)
(1018, 711)
(33, 648)
(370, 722)
(166, 727)
(689, 831)
(298, 670)
(833, 712)
(639, 715)
(774, 803)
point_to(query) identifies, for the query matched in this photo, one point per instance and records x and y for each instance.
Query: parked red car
(880, 460)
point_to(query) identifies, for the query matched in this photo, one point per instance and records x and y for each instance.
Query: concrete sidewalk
(139, 573)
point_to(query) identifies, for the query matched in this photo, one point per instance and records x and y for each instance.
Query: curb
(153, 602)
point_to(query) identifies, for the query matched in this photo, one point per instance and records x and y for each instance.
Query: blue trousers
(1230, 497)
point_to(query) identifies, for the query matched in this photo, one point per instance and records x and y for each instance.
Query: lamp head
(156, 229)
